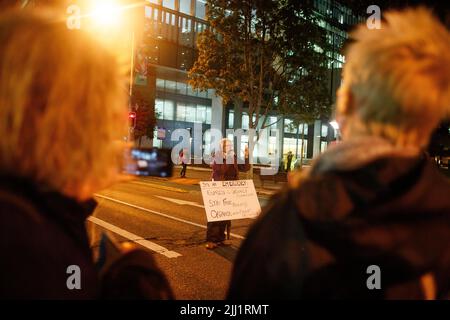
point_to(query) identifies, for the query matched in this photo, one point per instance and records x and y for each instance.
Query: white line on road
(135, 238)
(181, 202)
(158, 186)
(162, 214)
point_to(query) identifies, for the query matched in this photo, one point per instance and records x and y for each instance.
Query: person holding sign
(224, 167)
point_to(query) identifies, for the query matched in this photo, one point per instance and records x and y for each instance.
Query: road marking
(181, 202)
(162, 214)
(135, 238)
(157, 186)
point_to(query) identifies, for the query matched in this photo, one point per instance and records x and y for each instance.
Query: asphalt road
(168, 219)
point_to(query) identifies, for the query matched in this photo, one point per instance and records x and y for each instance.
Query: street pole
(130, 129)
(132, 65)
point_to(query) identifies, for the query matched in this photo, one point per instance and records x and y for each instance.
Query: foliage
(268, 54)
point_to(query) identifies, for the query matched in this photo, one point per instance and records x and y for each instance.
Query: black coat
(317, 240)
(42, 233)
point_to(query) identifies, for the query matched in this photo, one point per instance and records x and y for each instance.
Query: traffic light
(132, 119)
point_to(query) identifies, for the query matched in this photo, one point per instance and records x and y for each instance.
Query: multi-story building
(170, 31)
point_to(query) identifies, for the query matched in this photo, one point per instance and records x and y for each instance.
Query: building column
(280, 128)
(316, 137)
(217, 113)
(237, 121)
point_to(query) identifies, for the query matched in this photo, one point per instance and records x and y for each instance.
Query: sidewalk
(196, 174)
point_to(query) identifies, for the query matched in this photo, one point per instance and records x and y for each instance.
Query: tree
(145, 118)
(268, 54)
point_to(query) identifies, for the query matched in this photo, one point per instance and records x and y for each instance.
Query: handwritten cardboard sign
(230, 200)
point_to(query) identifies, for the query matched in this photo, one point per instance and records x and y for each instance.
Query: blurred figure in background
(182, 159)
(289, 161)
(62, 116)
(373, 199)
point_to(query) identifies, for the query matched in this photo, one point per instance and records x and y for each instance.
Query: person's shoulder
(17, 209)
(276, 217)
(136, 275)
(270, 258)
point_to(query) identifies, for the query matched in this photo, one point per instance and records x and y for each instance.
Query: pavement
(166, 217)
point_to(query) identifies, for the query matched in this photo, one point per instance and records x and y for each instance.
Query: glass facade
(170, 4)
(200, 9)
(185, 6)
(295, 146)
(179, 111)
(171, 28)
(181, 88)
(335, 19)
(170, 36)
(324, 131)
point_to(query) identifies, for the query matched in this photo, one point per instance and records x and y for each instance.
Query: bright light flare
(334, 124)
(106, 13)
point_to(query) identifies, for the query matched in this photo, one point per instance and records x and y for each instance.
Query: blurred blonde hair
(62, 108)
(399, 76)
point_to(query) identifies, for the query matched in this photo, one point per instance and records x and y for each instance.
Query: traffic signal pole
(131, 128)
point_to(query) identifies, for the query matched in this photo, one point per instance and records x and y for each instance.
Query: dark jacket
(42, 233)
(222, 171)
(317, 240)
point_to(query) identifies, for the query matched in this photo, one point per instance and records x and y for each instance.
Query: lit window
(168, 17)
(181, 88)
(171, 86)
(272, 145)
(160, 84)
(200, 9)
(207, 145)
(289, 127)
(271, 121)
(245, 120)
(289, 144)
(301, 128)
(202, 94)
(148, 12)
(181, 112)
(208, 115)
(324, 130)
(185, 6)
(190, 113)
(168, 110)
(159, 109)
(201, 114)
(231, 119)
(169, 4)
(191, 91)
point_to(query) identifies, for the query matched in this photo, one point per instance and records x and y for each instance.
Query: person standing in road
(183, 161)
(224, 167)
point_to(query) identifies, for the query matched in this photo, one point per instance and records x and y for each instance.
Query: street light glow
(106, 13)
